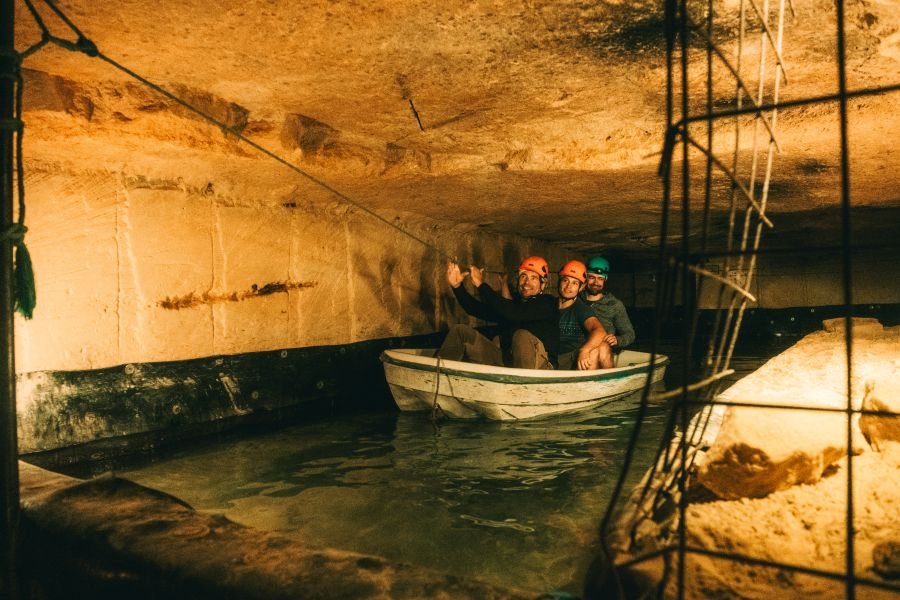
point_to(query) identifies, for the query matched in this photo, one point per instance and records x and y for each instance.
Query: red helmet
(576, 269)
(535, 264)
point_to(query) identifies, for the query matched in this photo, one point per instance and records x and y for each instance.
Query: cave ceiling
(538, 117)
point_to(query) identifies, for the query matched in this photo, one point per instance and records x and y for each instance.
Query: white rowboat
(465, 390)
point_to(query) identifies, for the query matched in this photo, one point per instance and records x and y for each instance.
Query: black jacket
(538, 314)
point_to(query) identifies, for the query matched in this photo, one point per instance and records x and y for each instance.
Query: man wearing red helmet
(529, 325)
(582, 338)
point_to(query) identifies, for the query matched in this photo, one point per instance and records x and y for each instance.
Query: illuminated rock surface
(804, 526)
(760, 450)
(544, 117)
(882, 395)
(798, 462)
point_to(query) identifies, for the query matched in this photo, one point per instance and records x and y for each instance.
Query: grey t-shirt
(614, 318)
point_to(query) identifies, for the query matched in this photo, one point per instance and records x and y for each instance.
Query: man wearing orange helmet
(529, 325)
(581, 335)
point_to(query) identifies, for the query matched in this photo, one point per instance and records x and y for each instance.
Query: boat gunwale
(549, 377)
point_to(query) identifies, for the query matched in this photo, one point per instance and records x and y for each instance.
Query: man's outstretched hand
(455, 277)
(477, 275)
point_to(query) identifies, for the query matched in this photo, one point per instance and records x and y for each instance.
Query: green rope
(23, 277)
(24, 295)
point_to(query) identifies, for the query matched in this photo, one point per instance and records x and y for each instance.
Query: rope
(14, 233)
(436, 410)
(88, 47)
(24, 296)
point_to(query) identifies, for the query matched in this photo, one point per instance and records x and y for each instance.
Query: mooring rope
(88, 47)
(436, 410)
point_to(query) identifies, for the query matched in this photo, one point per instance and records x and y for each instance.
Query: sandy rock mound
(765, 449)
(785, 477)
(759, 451)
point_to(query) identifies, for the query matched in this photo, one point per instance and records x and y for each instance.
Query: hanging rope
(436, 411)
(24, 296)
(86, 46)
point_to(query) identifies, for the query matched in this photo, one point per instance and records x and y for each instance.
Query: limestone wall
(157, 236)
(129, 272)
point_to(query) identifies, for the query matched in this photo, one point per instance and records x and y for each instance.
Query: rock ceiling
(539, 117)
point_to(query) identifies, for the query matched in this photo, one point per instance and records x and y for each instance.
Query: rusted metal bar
(807, 101)
(847, 285)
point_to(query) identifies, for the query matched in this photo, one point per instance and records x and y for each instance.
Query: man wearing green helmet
(608, 308)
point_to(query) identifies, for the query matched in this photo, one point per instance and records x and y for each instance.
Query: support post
(9, 454)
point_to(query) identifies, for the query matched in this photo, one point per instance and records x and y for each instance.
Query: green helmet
(598, 266)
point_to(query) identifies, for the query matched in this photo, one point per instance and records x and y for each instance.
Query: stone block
(861, 325)
(762, 450)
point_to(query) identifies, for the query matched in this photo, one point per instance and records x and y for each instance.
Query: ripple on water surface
(513, 503)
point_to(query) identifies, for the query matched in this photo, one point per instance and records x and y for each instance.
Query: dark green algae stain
(128, 407)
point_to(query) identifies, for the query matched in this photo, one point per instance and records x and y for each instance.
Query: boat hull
(460, 390)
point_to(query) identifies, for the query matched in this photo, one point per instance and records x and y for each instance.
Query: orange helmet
(535, 264)
(576, 269)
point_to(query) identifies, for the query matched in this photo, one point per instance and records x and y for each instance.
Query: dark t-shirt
(571, 326)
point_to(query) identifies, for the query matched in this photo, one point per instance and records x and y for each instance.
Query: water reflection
(513, 455)
(515, 503)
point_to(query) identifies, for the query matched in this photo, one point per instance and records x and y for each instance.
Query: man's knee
(524, 340)
(605, 357)
(522, 336)
(528, 351)
(454, 346)
(464, 342)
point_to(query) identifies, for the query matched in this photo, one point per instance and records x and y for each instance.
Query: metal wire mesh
(650, 523)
